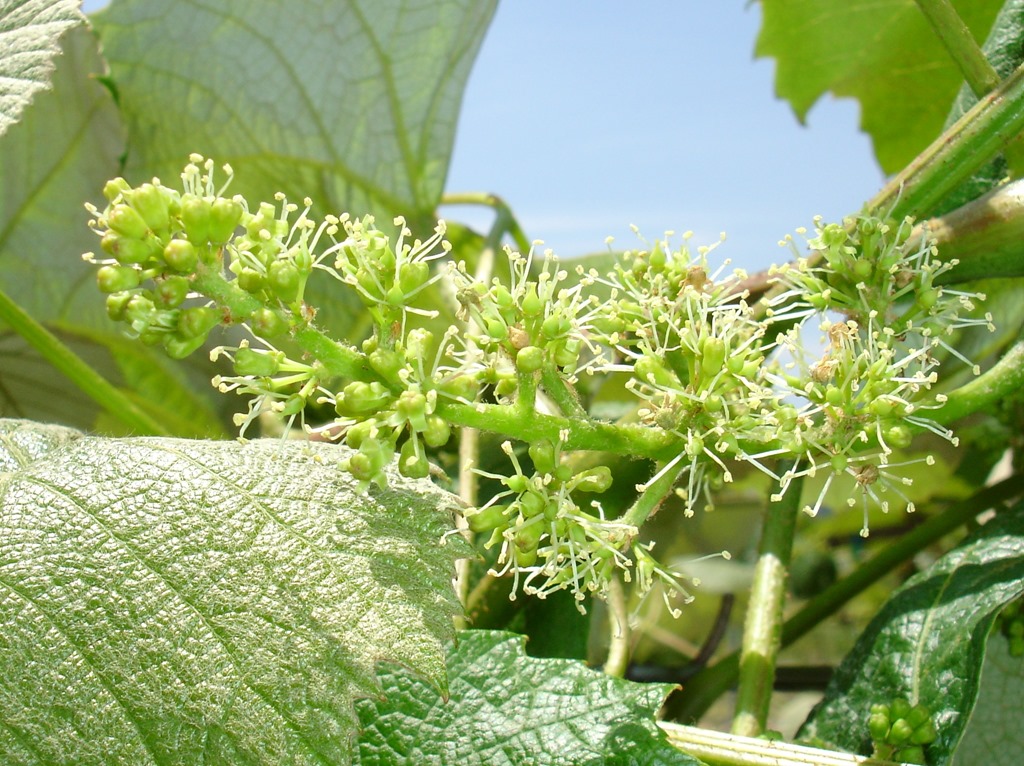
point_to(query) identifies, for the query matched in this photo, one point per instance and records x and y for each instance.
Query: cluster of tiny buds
(699, 359)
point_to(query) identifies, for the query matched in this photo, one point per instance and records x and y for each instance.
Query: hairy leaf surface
(881, 52)
(994, 736)
(30, 31)
(927, 644)
(507, 709)
(180, 602)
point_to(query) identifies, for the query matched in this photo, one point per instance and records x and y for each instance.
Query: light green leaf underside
(507, 709)
(180, 602)
(927, 644)
(29, 35)
(994, 736)
(881, 52)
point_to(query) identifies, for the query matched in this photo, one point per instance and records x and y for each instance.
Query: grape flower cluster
(719, 380)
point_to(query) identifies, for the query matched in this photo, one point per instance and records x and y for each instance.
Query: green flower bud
(531, 504)
(171, 292)
(532, 305)
(251, 281)
(530, 359)
(556, 326)
(360, 398)
(713, 353)
(261, 364)
(178, 347)
(284, 280)
(924, 734)
(224, 217)
(438, 432)
(267, 323)
(927, 299)
(195, 215)
(597, 479)
(486, 519)
(126, 222)
(386, 363)
(899, 708)
(567, 353)
(878, 726)
(150, 203)
(412, 406)
(411, 462)
(114, 187)
(900, 732)
(913, 754)
(196, 322)
(464, 386)
(526, 540)
(114, 279)
(542, 453)
(418, 343)
(181, 256)
(648, 369)
(497, 329)
(116, 305)
(862, 269)
(414, 275)
(125, 250)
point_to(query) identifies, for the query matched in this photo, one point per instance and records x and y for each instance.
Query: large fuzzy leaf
(881, 52)
(507, 709)
(180, 602)
(927, 644)
(29, 30)
(350, 103)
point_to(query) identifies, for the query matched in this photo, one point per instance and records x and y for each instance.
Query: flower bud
(529, 359)
(126, 222)
(150, 203)
(260, 364)
(181, 256)
(116, 305)
(195, 215)
(114, 279)
(196, 322)
(485, 519)
(597, 479)
(224, 217)
(171, 292)
(114, 187)
(125, 250)
(178, 347)
(284, 280)
(438, 432)
(251, 281)
(412, 463)
(267, 323)
(542, 453)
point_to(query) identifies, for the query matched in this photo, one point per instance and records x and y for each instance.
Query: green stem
(618, 625)
(710, 683)
(961, 45)
(504, 222)
(762, 631)
(654, 492)
(717, 748)
(561, 394)
(965, 147)
(81, 374)
(1004, 379)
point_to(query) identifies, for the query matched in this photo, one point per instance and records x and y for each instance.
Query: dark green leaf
(182, 602)
(927, 644)
(994, 736)
(507, 709)
(30, 30)
(881, 52)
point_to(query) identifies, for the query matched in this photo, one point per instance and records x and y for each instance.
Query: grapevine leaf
(506, 708)
(993, 734)
(927, 644)
(178, 602)
(881, 52)
(30, 30)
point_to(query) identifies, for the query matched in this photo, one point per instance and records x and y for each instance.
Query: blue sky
(589, 117)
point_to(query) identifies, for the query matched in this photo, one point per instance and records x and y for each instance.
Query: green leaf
(994, 736)
(927, 644)
(30, 30)
(353, 104)
(507, 708)
(59, 155)
(181, 602)
(881, 52)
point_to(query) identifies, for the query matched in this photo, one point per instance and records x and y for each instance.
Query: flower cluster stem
(762, 632)
(81, 374)
(960, 44)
